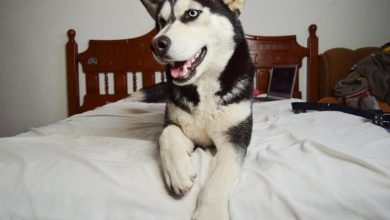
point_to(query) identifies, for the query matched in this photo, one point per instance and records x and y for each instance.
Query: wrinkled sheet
(104, 164)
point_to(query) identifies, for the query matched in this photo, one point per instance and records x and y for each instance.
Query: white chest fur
(209, 119)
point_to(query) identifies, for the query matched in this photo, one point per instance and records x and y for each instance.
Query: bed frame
(129, 64)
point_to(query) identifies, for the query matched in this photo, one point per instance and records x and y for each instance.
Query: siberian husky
(208, 94)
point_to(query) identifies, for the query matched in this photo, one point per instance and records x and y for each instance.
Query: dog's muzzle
(180, 70)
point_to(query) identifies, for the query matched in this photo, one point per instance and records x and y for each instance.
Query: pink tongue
(175, 72)
(180, 71)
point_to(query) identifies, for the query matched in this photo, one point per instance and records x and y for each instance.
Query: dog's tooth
(198, 54)
(184, 70)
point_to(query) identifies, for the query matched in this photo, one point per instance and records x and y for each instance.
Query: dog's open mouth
(184, 70)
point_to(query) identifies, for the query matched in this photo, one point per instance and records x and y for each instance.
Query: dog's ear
(235, 6)
(152, 6)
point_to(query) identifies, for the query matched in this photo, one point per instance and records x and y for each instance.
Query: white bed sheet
(104, 164)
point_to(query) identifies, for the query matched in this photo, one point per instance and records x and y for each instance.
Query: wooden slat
(120, 82)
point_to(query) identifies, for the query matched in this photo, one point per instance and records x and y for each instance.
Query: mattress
(105, 164)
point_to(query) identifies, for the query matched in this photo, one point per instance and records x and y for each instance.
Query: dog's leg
(175, 150)
(213, 200)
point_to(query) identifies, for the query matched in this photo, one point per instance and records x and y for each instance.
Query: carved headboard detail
(115, 68)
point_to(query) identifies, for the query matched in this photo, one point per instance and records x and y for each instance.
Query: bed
(102, 162)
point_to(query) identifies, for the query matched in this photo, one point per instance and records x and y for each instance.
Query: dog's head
(195, 36)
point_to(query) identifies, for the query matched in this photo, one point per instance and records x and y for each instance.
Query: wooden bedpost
(312, 65)
(72, 73)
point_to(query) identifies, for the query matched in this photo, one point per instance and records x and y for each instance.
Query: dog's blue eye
(191, 15)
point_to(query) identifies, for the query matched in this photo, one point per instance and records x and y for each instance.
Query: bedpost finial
(312, 29)
(71, 34)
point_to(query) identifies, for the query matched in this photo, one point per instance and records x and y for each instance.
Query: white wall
(33, 35)
(32, 52)
(341, 23)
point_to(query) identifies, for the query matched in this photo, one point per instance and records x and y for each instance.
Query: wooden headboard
(126, 65)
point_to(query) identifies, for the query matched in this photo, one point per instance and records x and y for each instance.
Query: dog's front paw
(178, 171)
(175, 150)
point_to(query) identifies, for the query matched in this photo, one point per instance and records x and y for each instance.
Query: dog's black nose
(161, 44)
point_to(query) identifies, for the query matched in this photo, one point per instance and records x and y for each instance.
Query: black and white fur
(208, 94)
